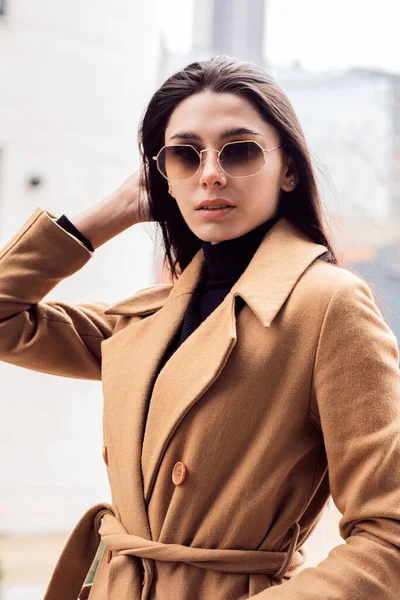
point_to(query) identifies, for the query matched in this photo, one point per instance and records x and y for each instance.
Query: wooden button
(178, 473)
(105, 455)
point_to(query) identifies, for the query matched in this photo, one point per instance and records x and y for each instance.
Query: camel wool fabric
(255, 420)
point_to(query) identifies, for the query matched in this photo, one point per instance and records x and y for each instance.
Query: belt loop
(280, 573)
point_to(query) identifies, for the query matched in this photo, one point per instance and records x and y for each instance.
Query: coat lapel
(190, 371)
(130, 362)
(279, 261)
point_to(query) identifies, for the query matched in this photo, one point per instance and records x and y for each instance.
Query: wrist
(104, 221)
(126, 205)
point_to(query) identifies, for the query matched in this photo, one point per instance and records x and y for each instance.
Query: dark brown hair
(223, 74)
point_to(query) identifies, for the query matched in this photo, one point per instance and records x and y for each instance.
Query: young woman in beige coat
(221, 458)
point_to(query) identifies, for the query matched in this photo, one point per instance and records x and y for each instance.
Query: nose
(211, 173)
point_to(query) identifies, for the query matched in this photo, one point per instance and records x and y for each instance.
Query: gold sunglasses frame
(201, 161)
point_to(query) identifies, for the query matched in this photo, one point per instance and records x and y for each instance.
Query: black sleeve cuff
(66, 224)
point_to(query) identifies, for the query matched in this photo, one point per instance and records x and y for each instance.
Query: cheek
(252, 190)
(268, 182)
(258, 194)
(184, 193)
(183, 200)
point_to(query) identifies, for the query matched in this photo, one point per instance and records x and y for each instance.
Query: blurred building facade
(351, 122)
(234, 27)
(74, 81)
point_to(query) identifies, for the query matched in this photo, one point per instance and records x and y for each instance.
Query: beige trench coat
(252, 423)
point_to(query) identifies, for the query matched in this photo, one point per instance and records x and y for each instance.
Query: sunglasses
(236, 159)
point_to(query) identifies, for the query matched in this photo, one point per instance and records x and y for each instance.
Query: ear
(289, 175)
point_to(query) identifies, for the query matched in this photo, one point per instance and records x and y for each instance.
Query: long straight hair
(224, 74)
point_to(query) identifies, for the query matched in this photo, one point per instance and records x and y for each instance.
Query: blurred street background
(75, 79)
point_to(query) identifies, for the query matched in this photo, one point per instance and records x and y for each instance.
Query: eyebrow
(191, 135)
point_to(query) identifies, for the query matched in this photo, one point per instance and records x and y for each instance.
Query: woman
(238, 397)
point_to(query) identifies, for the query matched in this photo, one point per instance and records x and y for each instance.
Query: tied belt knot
(100, 522)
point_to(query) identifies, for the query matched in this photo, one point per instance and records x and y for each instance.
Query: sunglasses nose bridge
(203, 156)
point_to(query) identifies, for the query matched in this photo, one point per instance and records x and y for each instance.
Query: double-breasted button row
(179, 473)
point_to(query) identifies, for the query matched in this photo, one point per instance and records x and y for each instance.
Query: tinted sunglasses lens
(240, 159)
(178, 162)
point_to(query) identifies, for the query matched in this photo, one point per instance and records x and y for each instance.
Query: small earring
(292, 183)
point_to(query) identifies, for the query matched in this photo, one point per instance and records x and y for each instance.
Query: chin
(215, 232)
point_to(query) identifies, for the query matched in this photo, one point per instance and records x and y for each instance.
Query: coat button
(105, 455)
(178, 473)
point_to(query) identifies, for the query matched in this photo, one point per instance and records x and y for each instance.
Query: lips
(218, 207)
(216, 213)
(214, 202)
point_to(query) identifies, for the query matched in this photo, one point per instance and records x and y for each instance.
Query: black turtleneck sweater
(224, 264)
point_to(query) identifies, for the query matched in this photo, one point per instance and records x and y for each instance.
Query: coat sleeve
(66, 224)
(52, 337)
(356, 405)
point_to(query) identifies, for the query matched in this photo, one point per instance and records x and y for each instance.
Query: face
(203, 120)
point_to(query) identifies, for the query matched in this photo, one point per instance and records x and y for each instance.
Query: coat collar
(283, 255)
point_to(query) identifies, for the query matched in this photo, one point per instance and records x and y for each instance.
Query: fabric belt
(79, 552)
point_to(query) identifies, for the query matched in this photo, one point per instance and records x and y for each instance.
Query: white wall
(74, 79)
